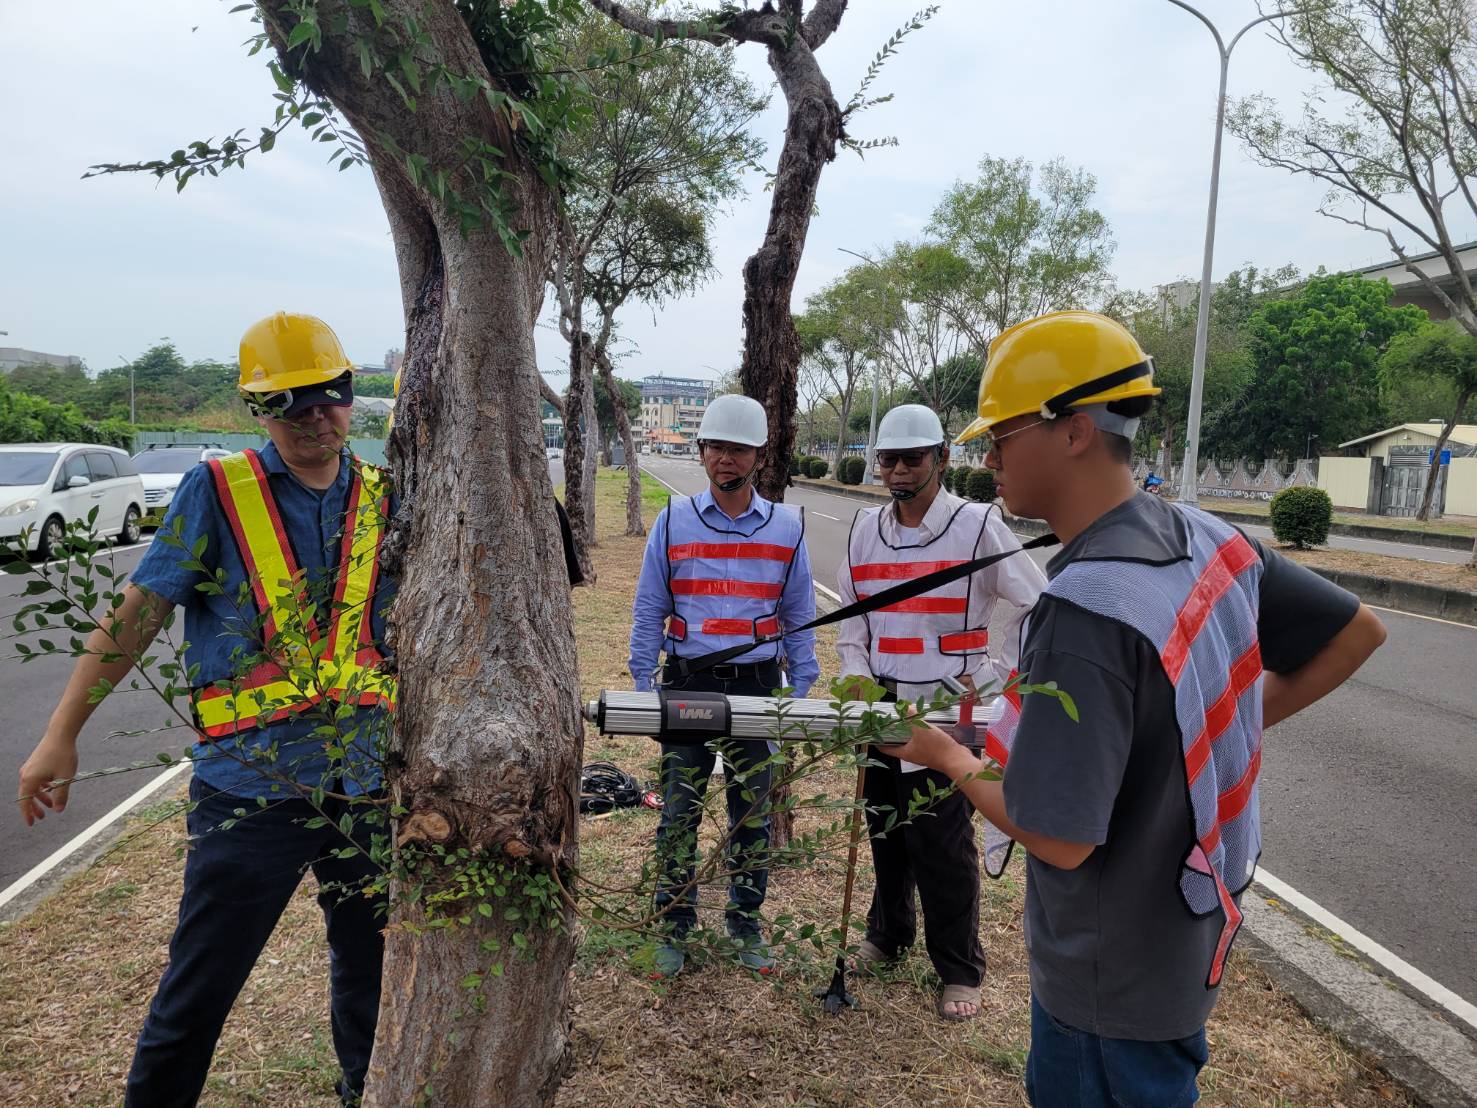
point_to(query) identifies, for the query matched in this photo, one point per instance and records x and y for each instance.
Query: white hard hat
(908, 427)
(734, 418)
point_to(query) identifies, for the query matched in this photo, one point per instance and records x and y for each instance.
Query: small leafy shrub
(817, 467)
(981, 485)
(1301, 516)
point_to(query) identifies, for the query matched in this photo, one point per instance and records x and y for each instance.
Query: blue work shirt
(216, 628)
(654, 598)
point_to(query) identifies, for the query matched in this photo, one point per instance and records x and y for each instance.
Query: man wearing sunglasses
(909, 647)
(722, 567)
(273, 545)
(1178, 640)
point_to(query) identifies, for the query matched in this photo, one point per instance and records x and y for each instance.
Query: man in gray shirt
(1177, 641)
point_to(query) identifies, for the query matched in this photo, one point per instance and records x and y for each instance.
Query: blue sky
(105, 267)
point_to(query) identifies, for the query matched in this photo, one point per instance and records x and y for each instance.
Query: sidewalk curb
(1413, 597)
(1417, 1044)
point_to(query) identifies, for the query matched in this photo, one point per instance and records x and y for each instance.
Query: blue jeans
(238, 881)
(1068, 1068)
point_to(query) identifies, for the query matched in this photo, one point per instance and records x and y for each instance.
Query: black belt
(676, 669)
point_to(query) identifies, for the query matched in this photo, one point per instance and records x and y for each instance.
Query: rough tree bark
(1428, 497)
(488, 734)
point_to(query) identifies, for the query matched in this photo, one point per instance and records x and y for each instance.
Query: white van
(46, 486)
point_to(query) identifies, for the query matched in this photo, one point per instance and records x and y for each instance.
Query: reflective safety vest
(924, 639)
(726, 585)
(1201, 616)
(302, 667)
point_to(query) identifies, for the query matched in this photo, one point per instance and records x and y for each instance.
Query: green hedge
(981, 484)
(817, 467)
(1301, 516)
(850, 471)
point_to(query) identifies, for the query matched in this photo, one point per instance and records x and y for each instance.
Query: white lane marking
(824, 516)
(678, 491)
(110, 550)
(1417, 615)
(1432, 989)
(66, 850)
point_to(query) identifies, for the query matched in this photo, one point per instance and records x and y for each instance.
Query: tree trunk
(488, 735)
(1433, 473)
(634, 523)
(579, 405)
(771, 346)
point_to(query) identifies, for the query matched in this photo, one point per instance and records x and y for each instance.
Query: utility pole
(132, 413)
(1189, 490)
(868, 478)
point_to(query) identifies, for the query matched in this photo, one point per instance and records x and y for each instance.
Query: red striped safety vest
(726, 585)
(1201, 616)
(303, 668)
(924, 639)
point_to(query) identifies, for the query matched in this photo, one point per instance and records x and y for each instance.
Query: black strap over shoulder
(905, 591)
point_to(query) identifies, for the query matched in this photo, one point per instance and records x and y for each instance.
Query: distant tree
(1032, 240)
(1441, 353)
(1315, 359)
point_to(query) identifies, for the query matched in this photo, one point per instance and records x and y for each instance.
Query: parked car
(163, 465)
(47, 486)
(553, 453)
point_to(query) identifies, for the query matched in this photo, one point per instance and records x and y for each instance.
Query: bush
(797, 466)
(817, 467)
(981, 485)
(849, 471)
(951, 478)
(1301, 515)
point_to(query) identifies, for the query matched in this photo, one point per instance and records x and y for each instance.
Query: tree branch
(822, 22)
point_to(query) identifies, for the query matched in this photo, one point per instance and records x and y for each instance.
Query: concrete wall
(1346, 480)
(1461, 487)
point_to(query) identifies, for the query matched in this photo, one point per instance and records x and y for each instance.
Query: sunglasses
(888, 459)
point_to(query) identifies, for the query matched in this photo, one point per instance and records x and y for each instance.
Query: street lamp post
(1190, 493)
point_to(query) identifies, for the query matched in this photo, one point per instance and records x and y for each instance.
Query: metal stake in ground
(834, 996)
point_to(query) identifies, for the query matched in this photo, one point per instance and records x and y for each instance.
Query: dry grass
(76, 976)
(1447, 575)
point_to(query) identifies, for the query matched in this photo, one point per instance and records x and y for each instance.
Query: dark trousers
(685, 771)
(238, 881)
(935, 856)
(1068, 1068)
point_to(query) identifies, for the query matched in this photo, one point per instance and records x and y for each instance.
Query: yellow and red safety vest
(304, 665)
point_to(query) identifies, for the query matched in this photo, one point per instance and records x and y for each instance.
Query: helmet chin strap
(909, 494)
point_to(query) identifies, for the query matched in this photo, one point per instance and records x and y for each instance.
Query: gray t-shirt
(1113, 948)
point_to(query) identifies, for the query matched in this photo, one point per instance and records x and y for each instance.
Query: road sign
(1445, 456)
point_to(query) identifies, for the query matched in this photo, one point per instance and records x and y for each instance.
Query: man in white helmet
(721, 568)
(909, 647)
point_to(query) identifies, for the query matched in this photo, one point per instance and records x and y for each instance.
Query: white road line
(824, 516)
(62, 853)
(678, 491)
(1417, 615)
(1427, 986)
(110, 550)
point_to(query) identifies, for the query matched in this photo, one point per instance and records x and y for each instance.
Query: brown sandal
(868, 958)
(959, 994)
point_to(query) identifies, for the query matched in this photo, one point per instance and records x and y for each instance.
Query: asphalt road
(28, 693)
(1369, 798)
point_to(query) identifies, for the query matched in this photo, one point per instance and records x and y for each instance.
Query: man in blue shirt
(306, 491)
(722, 567)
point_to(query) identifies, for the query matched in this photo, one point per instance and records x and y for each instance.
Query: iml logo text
(684, 712)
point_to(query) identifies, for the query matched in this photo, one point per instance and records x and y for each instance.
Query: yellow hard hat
(290, 351)
(1055, 361)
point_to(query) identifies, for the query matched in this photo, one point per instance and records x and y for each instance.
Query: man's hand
(52, 760)
(928, 746)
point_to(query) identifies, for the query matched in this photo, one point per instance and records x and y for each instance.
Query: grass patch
(76, 976)
(1446, 575)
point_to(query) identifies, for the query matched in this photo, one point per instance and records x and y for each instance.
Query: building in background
(673, 405)
(1384, 473)
(12, 357)
(1408, 288)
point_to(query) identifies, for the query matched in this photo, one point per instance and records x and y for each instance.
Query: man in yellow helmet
(1178, 639)
(276, 565)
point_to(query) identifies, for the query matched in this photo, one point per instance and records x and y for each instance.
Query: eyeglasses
(728, 449)
(887, 459)
(991, 442)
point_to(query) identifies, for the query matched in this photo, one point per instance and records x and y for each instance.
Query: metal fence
(370, 450)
